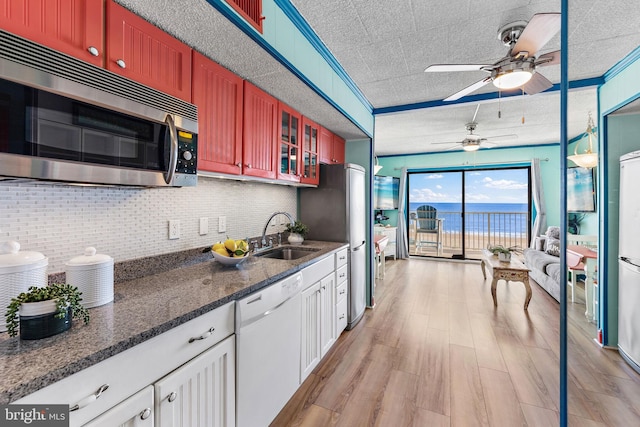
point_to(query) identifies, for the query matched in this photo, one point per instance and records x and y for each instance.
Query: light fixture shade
(586, 160)
(471, 147)
(512, 79)
(376, 169)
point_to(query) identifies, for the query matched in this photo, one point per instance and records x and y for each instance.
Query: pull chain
(522, 105)
(499, 99)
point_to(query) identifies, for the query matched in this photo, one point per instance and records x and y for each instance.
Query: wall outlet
(174, 229)
(222, 224)
(204, 226)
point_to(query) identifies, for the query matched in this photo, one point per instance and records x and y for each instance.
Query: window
(250, 10)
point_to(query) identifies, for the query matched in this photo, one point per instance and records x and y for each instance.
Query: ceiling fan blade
(541, 29)
(467, 90)
(448, 142)
(445, 68)
(475, 114)
(537, 84)
(551, 58)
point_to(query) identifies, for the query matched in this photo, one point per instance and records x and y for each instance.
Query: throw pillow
(553, 247)
(540, 242)
(553, 232)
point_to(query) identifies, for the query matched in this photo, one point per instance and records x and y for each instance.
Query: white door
(327, 313)
(136, 411)
(201, 393)
(310, 349)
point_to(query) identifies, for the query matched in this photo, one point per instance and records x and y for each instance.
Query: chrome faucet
(264, 232)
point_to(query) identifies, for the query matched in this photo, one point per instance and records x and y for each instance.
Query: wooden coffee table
(512, 271)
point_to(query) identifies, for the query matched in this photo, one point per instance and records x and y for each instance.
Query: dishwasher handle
(272, 310)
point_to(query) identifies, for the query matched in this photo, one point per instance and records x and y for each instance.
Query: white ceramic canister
(19, 270)
(92, 274)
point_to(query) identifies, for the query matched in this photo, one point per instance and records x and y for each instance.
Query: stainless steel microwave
(62, 119)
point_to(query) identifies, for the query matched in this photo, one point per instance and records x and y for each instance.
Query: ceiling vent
(250, 10)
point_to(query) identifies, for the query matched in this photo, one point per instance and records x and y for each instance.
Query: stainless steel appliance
(629, 261)
(335, 211)
(67, 120)
(267, 351)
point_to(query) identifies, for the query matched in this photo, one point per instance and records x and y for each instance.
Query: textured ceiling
(385, 46)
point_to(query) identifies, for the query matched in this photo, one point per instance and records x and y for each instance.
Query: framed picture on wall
(581, 190)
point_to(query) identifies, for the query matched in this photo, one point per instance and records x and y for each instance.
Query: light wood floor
(435, 352)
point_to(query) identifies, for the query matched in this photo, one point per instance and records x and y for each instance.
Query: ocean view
(498, 218)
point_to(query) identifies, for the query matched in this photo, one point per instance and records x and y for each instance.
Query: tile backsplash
(127, 223)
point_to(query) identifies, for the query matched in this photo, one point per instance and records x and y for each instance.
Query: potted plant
(504, 254)
(297, 232)
(46, 311)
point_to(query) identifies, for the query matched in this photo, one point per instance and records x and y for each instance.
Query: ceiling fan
(472, 141)
(518, 68)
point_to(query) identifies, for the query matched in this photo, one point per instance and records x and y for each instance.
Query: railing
(481, 229)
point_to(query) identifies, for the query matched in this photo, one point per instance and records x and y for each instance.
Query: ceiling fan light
(512, 79)
(471, 147)
(586, 160)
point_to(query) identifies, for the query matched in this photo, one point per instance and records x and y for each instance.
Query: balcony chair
(428, 223)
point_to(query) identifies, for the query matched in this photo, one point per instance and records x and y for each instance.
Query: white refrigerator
(335, 211)
(629, 261)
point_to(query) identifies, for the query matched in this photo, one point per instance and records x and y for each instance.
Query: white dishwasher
(267, 351)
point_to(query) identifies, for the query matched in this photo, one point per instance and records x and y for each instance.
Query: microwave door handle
(173, 155)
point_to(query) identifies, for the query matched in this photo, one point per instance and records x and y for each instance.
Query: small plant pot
(506, 257)
(38, 320)
(295, 239)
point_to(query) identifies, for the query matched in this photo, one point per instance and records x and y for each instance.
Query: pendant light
(376, 167)
(588, 159)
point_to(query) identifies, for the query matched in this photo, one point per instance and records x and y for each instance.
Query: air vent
(33, 55)
(251, 11)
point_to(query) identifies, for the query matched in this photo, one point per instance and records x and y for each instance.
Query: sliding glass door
(457, 214)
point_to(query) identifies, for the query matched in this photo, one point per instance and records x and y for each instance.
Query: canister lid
(89, 258)
(11, 256)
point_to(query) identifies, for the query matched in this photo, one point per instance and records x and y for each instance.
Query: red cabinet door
(142, 52)
(310, 158)
(338, 149)
(260, 133)
(289, 148)
(326, 146)
(218, 94)
(75, 27)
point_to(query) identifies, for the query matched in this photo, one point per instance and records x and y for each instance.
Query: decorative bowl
(227, 260)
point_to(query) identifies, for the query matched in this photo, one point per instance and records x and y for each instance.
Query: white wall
(61, 220)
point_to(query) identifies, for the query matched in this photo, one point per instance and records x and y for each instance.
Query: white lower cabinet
(310, 325)
(327, 313)
(201, 393)
(135, 411)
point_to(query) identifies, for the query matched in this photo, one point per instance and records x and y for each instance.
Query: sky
(490, 186)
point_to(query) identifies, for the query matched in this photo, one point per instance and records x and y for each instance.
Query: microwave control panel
(187, 153)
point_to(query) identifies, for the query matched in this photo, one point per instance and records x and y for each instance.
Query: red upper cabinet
(331, 147)
(218, 94)
(289, 143)
(310, 146)
(260, 133)
(75, 27)
(338, 149)
(142, 52)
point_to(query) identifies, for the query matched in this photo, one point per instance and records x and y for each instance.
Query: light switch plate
(204, 226)
(222, 224)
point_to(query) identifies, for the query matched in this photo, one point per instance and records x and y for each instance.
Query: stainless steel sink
(286, 253)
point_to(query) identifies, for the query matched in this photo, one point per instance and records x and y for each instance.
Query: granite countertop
(142, 309)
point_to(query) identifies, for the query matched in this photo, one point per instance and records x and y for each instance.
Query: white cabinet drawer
(317, 271)
(341, 291)
(136, 411)
(341, 316)
(341, 274)
(341, 257)
(131, 370)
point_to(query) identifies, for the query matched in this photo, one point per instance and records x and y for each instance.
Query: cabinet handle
(323, 287)
(248, 165)
(93, 51)
(343, 291)
(145, 414)
(239, 164)
(89, 399)
(342, 275)
(172, 396)
(121, 63)
(341, 317)
(203, 336)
